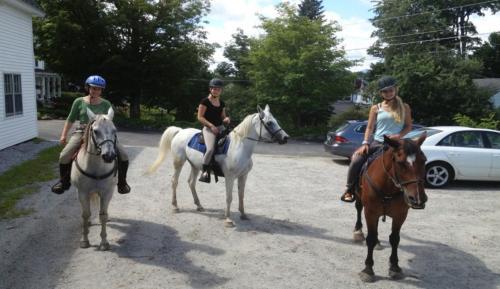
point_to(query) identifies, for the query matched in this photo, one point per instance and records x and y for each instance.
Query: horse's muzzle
(109, 157)
(284, 140)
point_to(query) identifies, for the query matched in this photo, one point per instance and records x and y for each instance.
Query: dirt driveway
(298, 236)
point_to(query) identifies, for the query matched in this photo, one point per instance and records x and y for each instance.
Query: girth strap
(100, 177)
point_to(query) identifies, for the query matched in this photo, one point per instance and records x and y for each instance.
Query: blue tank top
(386, 124)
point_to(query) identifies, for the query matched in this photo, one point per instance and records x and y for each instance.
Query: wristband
(365, 142)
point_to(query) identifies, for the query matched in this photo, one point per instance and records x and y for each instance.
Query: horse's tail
(164, 147)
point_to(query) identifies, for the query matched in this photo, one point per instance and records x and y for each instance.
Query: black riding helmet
(216, 83)
(386, 82)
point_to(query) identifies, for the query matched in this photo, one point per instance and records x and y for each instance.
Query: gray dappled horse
(94, 171)
(235, 164)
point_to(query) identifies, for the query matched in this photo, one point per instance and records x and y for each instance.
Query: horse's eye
(270, 123)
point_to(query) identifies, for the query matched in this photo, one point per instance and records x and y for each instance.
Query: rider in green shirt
(94, 85)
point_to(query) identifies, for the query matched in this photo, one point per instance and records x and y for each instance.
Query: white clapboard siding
(16, 56)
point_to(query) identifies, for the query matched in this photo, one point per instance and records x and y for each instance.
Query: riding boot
(65, 179)
(205, 175)
(348, 195)
(123, 187)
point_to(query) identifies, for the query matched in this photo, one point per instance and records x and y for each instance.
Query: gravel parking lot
(299, 235)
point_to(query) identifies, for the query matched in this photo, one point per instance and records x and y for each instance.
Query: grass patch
(22, 180)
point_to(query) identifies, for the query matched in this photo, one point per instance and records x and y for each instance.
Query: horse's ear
(90, 114)
(261, 112)
(391, 142)
(421, 139)
(111, 114)
(268, 109)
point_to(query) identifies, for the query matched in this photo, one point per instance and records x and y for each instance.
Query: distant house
(355, 99)
(48, 84)
(18, 116)
(492, 84)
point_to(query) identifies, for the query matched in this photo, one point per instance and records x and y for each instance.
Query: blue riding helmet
(96, 80)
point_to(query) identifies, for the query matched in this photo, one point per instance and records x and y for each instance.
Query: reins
(261, 139)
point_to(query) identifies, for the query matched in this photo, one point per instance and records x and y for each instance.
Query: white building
(18, 115)
(48, 84)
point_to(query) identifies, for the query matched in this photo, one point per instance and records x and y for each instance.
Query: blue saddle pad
(195, 144)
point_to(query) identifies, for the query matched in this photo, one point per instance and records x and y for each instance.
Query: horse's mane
(86, 136)
(243, 129)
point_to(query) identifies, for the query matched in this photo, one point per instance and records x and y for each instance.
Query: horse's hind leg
(85, 204)
(192, 185)
(103, 217)
(178, 163)
(358, 235)
(395, 271)
(241, 194)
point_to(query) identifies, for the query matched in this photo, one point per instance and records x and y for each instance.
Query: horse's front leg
(241, 195)
(367, 275)
(105, 198)
(229, 198)
(85, 204)
(395, 271)
(358, 235)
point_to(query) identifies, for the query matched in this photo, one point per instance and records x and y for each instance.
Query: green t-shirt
(79, 110)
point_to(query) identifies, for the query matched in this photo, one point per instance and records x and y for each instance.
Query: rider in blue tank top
(391, 117)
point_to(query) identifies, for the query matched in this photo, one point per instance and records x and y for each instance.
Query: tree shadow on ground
(159, 245)
(436, 265)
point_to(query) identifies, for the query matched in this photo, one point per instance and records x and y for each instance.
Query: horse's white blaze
(411, 159)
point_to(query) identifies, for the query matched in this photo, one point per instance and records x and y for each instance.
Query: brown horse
(393, 183)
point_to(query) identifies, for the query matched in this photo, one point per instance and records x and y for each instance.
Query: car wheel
(438, 174)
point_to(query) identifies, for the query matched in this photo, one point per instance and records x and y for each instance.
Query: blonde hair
(398, 109)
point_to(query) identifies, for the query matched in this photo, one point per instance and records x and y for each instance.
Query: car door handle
(453, 154)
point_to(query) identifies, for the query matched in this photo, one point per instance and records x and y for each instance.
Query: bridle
(98, 148)
(273, 134)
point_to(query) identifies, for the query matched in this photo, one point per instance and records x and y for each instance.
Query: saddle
(222, 141)
(373, 156)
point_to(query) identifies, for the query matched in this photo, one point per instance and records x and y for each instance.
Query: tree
(297, 67)
(237, 52)
(148, 50)
(489, 55)
(311, 9)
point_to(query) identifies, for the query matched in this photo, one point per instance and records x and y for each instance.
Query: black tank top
(213, 113)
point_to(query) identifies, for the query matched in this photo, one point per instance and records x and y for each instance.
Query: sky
(352, 15)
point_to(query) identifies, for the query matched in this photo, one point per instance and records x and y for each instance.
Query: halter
(261, 139)
(97, 147)
(397, 183)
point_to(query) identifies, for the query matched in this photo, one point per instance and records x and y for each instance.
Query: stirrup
(350, 200)
(205, 177)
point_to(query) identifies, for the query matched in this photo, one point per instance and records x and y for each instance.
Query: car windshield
(416, 133)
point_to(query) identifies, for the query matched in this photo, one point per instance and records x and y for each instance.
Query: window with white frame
(13, 94)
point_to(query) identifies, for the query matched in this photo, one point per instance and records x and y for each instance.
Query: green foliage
(152, 118)
(240, 102)
(489, 55)
(490, 121)
(149, 51)
(311, 9)
(237, 52)
(298, 69)
(23, 179)
(355, 113)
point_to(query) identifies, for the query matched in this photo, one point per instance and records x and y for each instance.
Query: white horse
(235, 164)
(94, 171)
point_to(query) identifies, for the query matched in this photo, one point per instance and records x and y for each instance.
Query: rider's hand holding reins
(226, 120)
(362, 150)
(214, 129)
(62, 140)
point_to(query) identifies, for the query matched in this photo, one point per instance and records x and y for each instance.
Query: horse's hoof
(244, 217)
(104, 246)
(200, 209)
(84, 244)
(396, 274)
(228, 224)
(358, 236)
(367, 278)
(378, 247)
(175, 210)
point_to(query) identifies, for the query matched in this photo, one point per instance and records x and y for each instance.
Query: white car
(460, 153)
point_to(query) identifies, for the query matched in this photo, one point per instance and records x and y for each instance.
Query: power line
(423, 13)
(422, 41)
